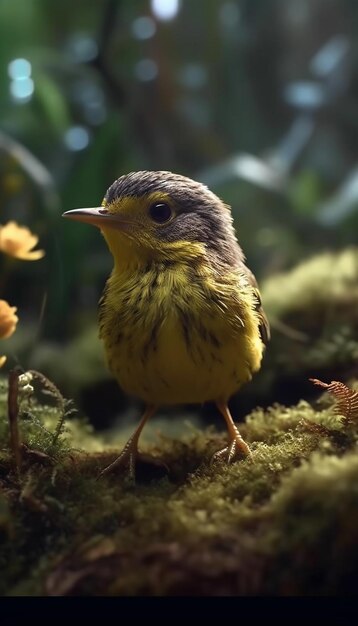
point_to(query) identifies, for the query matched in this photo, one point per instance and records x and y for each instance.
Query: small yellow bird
(180, 317)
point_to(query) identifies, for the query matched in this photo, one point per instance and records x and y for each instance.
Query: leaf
(346, 398)
(52, 100)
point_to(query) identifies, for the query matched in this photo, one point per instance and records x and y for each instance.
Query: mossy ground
(285, 522)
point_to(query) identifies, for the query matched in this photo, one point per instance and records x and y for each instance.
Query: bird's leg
(236, 443)
(129, 453)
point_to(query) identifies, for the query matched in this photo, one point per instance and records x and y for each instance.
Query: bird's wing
(264, 323)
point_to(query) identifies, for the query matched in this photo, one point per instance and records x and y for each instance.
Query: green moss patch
(284, 522)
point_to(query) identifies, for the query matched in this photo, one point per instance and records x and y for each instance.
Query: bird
(181, 317)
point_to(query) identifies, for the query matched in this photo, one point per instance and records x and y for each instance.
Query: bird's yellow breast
(173, 335)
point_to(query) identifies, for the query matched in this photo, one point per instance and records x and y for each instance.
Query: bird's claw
(126, 459)
(132, 462)
(236, 448)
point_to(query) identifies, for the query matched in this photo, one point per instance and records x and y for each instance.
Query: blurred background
(258, 99)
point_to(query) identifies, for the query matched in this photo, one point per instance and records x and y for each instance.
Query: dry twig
(13, 413)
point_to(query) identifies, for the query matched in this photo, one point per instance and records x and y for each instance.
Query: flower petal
(2, 360)
(18, 241)
(8, 319)
(33, 255)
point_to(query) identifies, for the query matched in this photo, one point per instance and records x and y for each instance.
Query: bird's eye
(160, 212)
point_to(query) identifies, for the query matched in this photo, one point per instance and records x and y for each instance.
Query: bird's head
(163, 216)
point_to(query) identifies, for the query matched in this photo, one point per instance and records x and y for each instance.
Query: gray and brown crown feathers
(200, 215)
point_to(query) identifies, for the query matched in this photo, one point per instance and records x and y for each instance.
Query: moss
(327, 280)
(312, 311)
(285, 522)
(314, 527)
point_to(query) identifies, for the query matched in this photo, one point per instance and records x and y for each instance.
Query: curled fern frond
(50, 388)
(346, 399)
(317, 429)
(65, 406)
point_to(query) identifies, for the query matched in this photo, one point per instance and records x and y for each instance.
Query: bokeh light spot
(90, 98)
(19, 69)
(165, 10)
(143, 27)
(195, 110)
(83, 48)
(146, 70)
(22, 89)
(76, 138)
(95, 113)
(193, 75)
(229, 14)
(305, 94)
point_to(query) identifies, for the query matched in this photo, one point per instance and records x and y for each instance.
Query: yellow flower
(8, 319)
(18, 241)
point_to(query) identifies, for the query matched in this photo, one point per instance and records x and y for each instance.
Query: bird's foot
(134, 464)
(236, 449)
(126, 460)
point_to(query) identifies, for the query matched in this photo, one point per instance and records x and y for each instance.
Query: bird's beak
(98, 216)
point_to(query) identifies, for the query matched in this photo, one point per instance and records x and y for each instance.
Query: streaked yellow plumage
(181, 317)
(161, 370)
